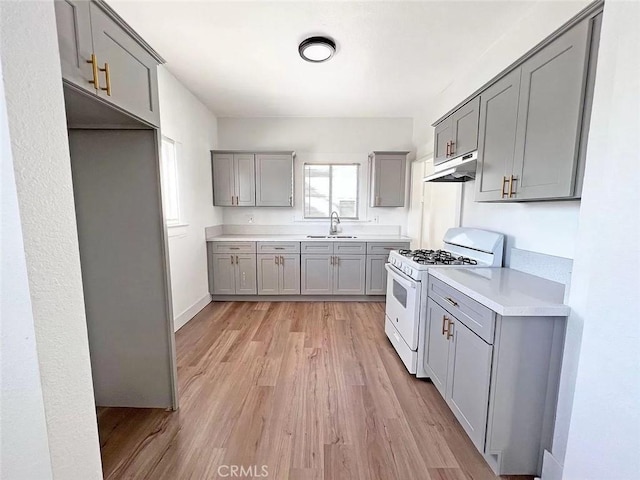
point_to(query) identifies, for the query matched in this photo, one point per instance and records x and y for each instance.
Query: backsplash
(557, 269)
(320, 228)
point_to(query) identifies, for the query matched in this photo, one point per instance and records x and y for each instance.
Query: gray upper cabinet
(464, 129)
(534, 121)
(457, 134)
(274, 180)
(550, 117)
(496, 143)
(442, 141)
(388, 179)
(233, 179)
(73, 20)
(128, 71)
(244, 169)
(223, 179)
(100, 54)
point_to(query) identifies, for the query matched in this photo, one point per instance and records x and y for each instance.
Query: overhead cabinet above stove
(534, 118)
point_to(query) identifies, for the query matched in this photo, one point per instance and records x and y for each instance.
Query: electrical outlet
(250, 219)
(376, 219)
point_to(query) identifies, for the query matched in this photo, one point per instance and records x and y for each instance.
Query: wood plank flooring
(308, 390)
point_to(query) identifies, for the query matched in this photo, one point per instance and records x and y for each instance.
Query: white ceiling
(241, 59)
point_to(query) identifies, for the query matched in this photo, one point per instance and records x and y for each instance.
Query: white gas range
(407, 279)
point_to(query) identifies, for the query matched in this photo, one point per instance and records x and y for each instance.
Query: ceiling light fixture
(317, 49)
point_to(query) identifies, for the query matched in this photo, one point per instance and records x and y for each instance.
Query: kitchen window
(329, 188)
(170, 197)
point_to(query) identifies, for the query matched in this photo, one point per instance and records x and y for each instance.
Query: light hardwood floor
(310, 390)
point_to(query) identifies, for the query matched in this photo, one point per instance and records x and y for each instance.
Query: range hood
(460, 169)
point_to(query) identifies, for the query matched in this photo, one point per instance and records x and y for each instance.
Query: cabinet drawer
(375, 248)
(233, 247)
(316, 247)
(478, 318)
(352, 248)
(278, 247)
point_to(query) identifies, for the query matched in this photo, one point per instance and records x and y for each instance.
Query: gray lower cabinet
(376, 283)
(100, 54)
(233, 274)
(534, 121)
(388, 178)
(274, 180)
(468, 380)
(278, 274)
(349, 274)
(316, 274)
(498, 375)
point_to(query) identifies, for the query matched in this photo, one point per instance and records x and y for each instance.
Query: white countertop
(304, 238)
(507, 292)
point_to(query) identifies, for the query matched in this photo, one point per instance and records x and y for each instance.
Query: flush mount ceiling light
(317, 49)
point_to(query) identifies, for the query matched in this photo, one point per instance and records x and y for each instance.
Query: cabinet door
(376, 275)
(349, 274)
(132, 70)
(223, 179)
(442, 135)
(245, 179)
(268, 274)
(497, 136)
(289, 283)
(274, 180)
(316, 275)
(389, 179)
(74, 41)
(550, 117)
(223, 276)
(436, 358)
(468, 382)
(464, 122)
(245, 266)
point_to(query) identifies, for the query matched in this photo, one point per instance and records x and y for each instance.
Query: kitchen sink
(331, 236)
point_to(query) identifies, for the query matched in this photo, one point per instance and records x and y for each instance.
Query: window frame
(178, 221)
(330, 165)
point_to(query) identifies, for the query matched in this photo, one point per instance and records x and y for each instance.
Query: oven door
(403, 304)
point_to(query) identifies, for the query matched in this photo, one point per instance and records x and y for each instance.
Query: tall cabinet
(111, 100)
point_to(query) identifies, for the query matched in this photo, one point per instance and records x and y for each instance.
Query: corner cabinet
(498, 375)
(102, 56)
(388, 178)
(534, 121)
(248, 179)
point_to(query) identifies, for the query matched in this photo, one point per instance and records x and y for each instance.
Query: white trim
(551, 468)
(182, 319)
(177, 230)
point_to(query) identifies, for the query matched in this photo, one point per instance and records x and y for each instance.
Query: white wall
(601, 427)
(546, 227)
(333, 140)
(37, 129)
(24, 446)
(185, 120)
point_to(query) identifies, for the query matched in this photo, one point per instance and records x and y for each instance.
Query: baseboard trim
(182, 319)
(298, 298)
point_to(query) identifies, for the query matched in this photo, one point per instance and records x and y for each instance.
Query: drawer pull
(234, 248)
(451, 301)
(278, 248)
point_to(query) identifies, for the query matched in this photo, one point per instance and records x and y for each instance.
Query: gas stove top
(437, 257)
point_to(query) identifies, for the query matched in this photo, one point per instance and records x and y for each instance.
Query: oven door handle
(400, 277)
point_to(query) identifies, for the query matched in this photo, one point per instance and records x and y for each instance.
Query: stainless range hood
(461, 169)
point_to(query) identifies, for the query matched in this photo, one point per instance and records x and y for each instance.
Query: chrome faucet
(333, 227)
